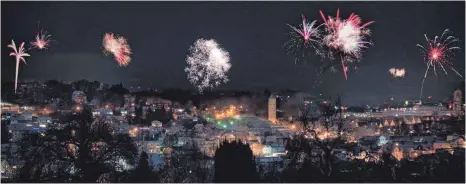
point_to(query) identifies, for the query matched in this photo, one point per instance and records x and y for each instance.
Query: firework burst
(300, 39)
(439, 52)
(118, 47)
(345, 37)
(42, 41)
(397, 72)
(19, 56)
(207, 64)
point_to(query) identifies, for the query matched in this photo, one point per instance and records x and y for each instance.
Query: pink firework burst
(300, 39)
(346, 37)
(118, 47)
(439, 52)
(307, 32)
(42, 41)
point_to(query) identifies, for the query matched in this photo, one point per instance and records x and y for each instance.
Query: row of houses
(410, 147)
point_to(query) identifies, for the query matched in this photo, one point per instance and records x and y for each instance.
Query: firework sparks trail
(397, 72)
(118, 47)
(42, 41)
(307, 32)
(422, 83)
(346, 37)
(207, 64)
(302, 38)
(439, 52)
(19, 56)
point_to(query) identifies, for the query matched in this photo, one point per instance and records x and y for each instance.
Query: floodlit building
(272, 110)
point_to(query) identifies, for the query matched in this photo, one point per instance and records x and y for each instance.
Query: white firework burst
(397, 72)
(207, 64)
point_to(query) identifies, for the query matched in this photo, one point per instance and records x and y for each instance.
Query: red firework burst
(439, 52)
(435, 54)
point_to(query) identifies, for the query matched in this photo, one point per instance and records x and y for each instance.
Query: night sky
(160, 34)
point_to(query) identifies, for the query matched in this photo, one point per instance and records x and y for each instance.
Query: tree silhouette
(5, 138)
(324, 129)
(271, 172)
(115, 95)
(327, 131)
(84, 150)
(404, 129)
(187, 165)
(267, 93)
(143, 172)
(234, 163)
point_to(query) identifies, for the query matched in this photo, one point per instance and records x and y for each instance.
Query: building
(457, 106)
(156, 124)
(130, 101)
(272, 108)
(21, 126)
(159, 103)
(79, 97)
(426, 109)
(94, 103)
(9, 107)
(43, 121)
(153, 146)
(257, 148)
(273, 150)
(442, 145)
(159, 106)
(102, 112)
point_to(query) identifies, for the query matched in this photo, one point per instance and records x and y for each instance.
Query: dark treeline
(113, 94)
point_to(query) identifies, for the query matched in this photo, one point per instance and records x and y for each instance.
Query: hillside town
(267, 122)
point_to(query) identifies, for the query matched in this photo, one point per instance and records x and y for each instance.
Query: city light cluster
(230, 112)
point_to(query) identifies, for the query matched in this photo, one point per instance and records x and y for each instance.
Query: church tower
(272, 108)
(457, 108)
